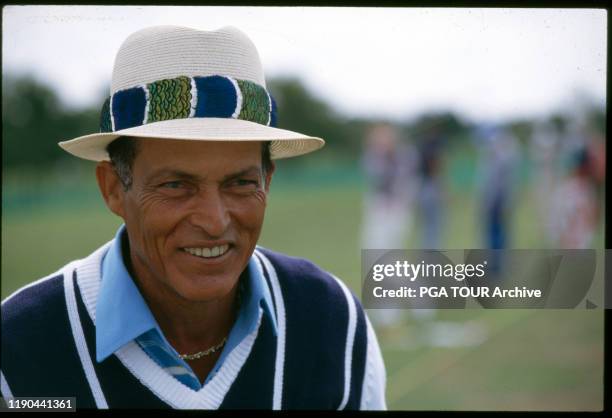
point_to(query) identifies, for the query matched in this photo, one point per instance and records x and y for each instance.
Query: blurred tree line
(34, 119)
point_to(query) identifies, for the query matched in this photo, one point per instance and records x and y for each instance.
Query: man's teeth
(208, 252)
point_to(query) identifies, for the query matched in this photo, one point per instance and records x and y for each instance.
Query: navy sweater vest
(322, 365)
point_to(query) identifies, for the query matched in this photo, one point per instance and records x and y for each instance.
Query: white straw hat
(180, 83)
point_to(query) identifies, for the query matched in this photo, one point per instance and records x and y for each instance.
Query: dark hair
(122, 152)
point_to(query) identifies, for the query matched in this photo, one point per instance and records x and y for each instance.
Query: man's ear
(269, 173)
(111, 187)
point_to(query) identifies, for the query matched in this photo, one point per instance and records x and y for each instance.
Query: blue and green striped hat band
(188, 97)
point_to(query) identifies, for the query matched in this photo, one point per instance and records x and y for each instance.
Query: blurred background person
(544, 151)
(575, 206)
(389, 165)
(431, 198)
(497, 177)
(596, 148)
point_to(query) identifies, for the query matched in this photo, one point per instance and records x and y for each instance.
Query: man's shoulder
(304, 277)
(287, 267)
(299, 265)
(31, 302)
(43, 297)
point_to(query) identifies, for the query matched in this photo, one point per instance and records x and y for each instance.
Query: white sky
(394, 62)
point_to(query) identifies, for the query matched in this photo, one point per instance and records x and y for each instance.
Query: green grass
(530, 360)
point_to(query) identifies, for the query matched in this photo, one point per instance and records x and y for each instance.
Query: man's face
(194, 213)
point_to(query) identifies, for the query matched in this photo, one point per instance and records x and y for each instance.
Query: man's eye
(245, 183)
(172, 185)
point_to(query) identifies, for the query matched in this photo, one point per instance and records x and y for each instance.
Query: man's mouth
(207, 252)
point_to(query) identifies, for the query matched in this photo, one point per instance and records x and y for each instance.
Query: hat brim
(284, 143)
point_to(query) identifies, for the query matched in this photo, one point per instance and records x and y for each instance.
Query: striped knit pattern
(188, 97)
(255, 102)
(317, 361)
(169, 99)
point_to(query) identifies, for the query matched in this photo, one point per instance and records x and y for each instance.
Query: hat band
(188, 97)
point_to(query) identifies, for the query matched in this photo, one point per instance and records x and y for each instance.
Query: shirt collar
(122, 314)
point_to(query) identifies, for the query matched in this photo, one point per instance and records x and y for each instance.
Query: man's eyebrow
(171, 172)
(247, 171)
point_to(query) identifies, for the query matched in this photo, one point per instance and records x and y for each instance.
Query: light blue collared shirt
(122, 314)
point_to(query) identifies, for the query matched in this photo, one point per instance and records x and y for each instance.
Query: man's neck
(189, 326)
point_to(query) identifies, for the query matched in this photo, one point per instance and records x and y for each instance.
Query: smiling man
(182, 309)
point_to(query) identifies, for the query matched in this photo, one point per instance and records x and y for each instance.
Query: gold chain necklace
(203, 353)
(213, 349)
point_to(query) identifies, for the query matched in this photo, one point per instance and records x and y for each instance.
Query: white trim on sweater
(175, 393)
(277, 400)
(89, 276)
(4, 387)
(375, 376)
(79, 339)
(350, 340)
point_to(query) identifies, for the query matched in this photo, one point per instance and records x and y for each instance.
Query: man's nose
(210, 213)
